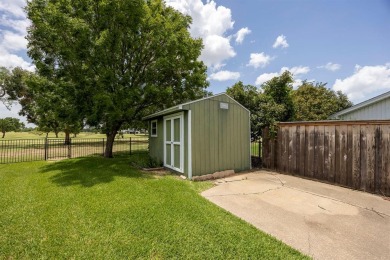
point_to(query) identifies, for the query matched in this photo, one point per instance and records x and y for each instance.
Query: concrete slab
(321, 220)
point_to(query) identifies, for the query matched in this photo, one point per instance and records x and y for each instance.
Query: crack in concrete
(330, 198)
(323, 208)
(237, 194)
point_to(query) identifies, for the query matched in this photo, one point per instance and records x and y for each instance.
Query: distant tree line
(10, 124)
(276, 101)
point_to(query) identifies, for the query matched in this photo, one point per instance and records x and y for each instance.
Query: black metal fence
(26, 150)
(256, 153)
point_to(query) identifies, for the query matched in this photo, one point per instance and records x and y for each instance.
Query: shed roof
(362, 104)
(180, 107)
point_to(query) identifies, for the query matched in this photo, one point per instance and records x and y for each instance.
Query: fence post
(130, 145)
(46, 148)
(70, 148)
(259, 149)
(103, 147)
(260, 155)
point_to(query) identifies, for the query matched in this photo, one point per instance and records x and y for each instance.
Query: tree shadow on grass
(91, 171)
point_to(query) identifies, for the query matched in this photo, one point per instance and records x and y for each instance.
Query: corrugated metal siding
(220, 138)
(376, 111)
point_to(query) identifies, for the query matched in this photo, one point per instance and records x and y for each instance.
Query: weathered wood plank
(316, 152)
(302, 151)
(363, 157)
(286, 149)
(279, 149)
(349, 155)
(385, 180)
(326, 153)
(320, 150)
(378, 159)
(273, 152)
(332, 153)
(306, 145)
(310, 152)
(370, 158)
(356, 157)
(343, 155)
(337, 154)
(297, 150)
(292, 151)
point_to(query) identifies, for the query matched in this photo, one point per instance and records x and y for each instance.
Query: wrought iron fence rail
(25, 150)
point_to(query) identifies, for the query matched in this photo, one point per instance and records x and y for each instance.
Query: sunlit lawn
(96, 208)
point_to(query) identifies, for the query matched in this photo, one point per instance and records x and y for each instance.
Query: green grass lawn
(255, 149)
(96, 208)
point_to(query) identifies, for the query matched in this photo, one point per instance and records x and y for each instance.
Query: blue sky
(345, 43)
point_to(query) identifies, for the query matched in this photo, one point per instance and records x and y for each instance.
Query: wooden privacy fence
(355, 154)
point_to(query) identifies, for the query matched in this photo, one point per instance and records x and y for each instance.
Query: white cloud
(265, 77)
(224, 75)
(17, 25)
(13, 7)
(364, 81)
(330, 66)
(280, 42)
(10, 61)
(216, 50)
(298, 70)
(211, 23)
(12, 36)
(12, 41)
(259, 60)
(240, 35)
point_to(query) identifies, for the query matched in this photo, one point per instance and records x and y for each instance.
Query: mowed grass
(96, 208)
(35, 135)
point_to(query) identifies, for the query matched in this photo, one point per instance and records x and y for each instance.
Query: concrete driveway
(320, 220)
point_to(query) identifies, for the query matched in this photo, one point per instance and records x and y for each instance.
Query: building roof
(362, 104)
(180, 107)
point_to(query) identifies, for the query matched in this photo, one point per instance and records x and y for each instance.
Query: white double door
(174, 142)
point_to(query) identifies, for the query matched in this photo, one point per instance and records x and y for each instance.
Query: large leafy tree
(314, 101)
(278, 91)
(248, 96)
(115, 60)
(264, 110)
(9, 124)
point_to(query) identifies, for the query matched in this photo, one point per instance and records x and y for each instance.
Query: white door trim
(173, 143)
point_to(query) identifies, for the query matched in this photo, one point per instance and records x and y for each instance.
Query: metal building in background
(377, 108)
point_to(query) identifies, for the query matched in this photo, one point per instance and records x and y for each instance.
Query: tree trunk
(67, 137)
(110, 142)
(3, 134)
(56, 134)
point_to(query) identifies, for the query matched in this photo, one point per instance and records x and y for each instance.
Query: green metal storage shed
(202, 136)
